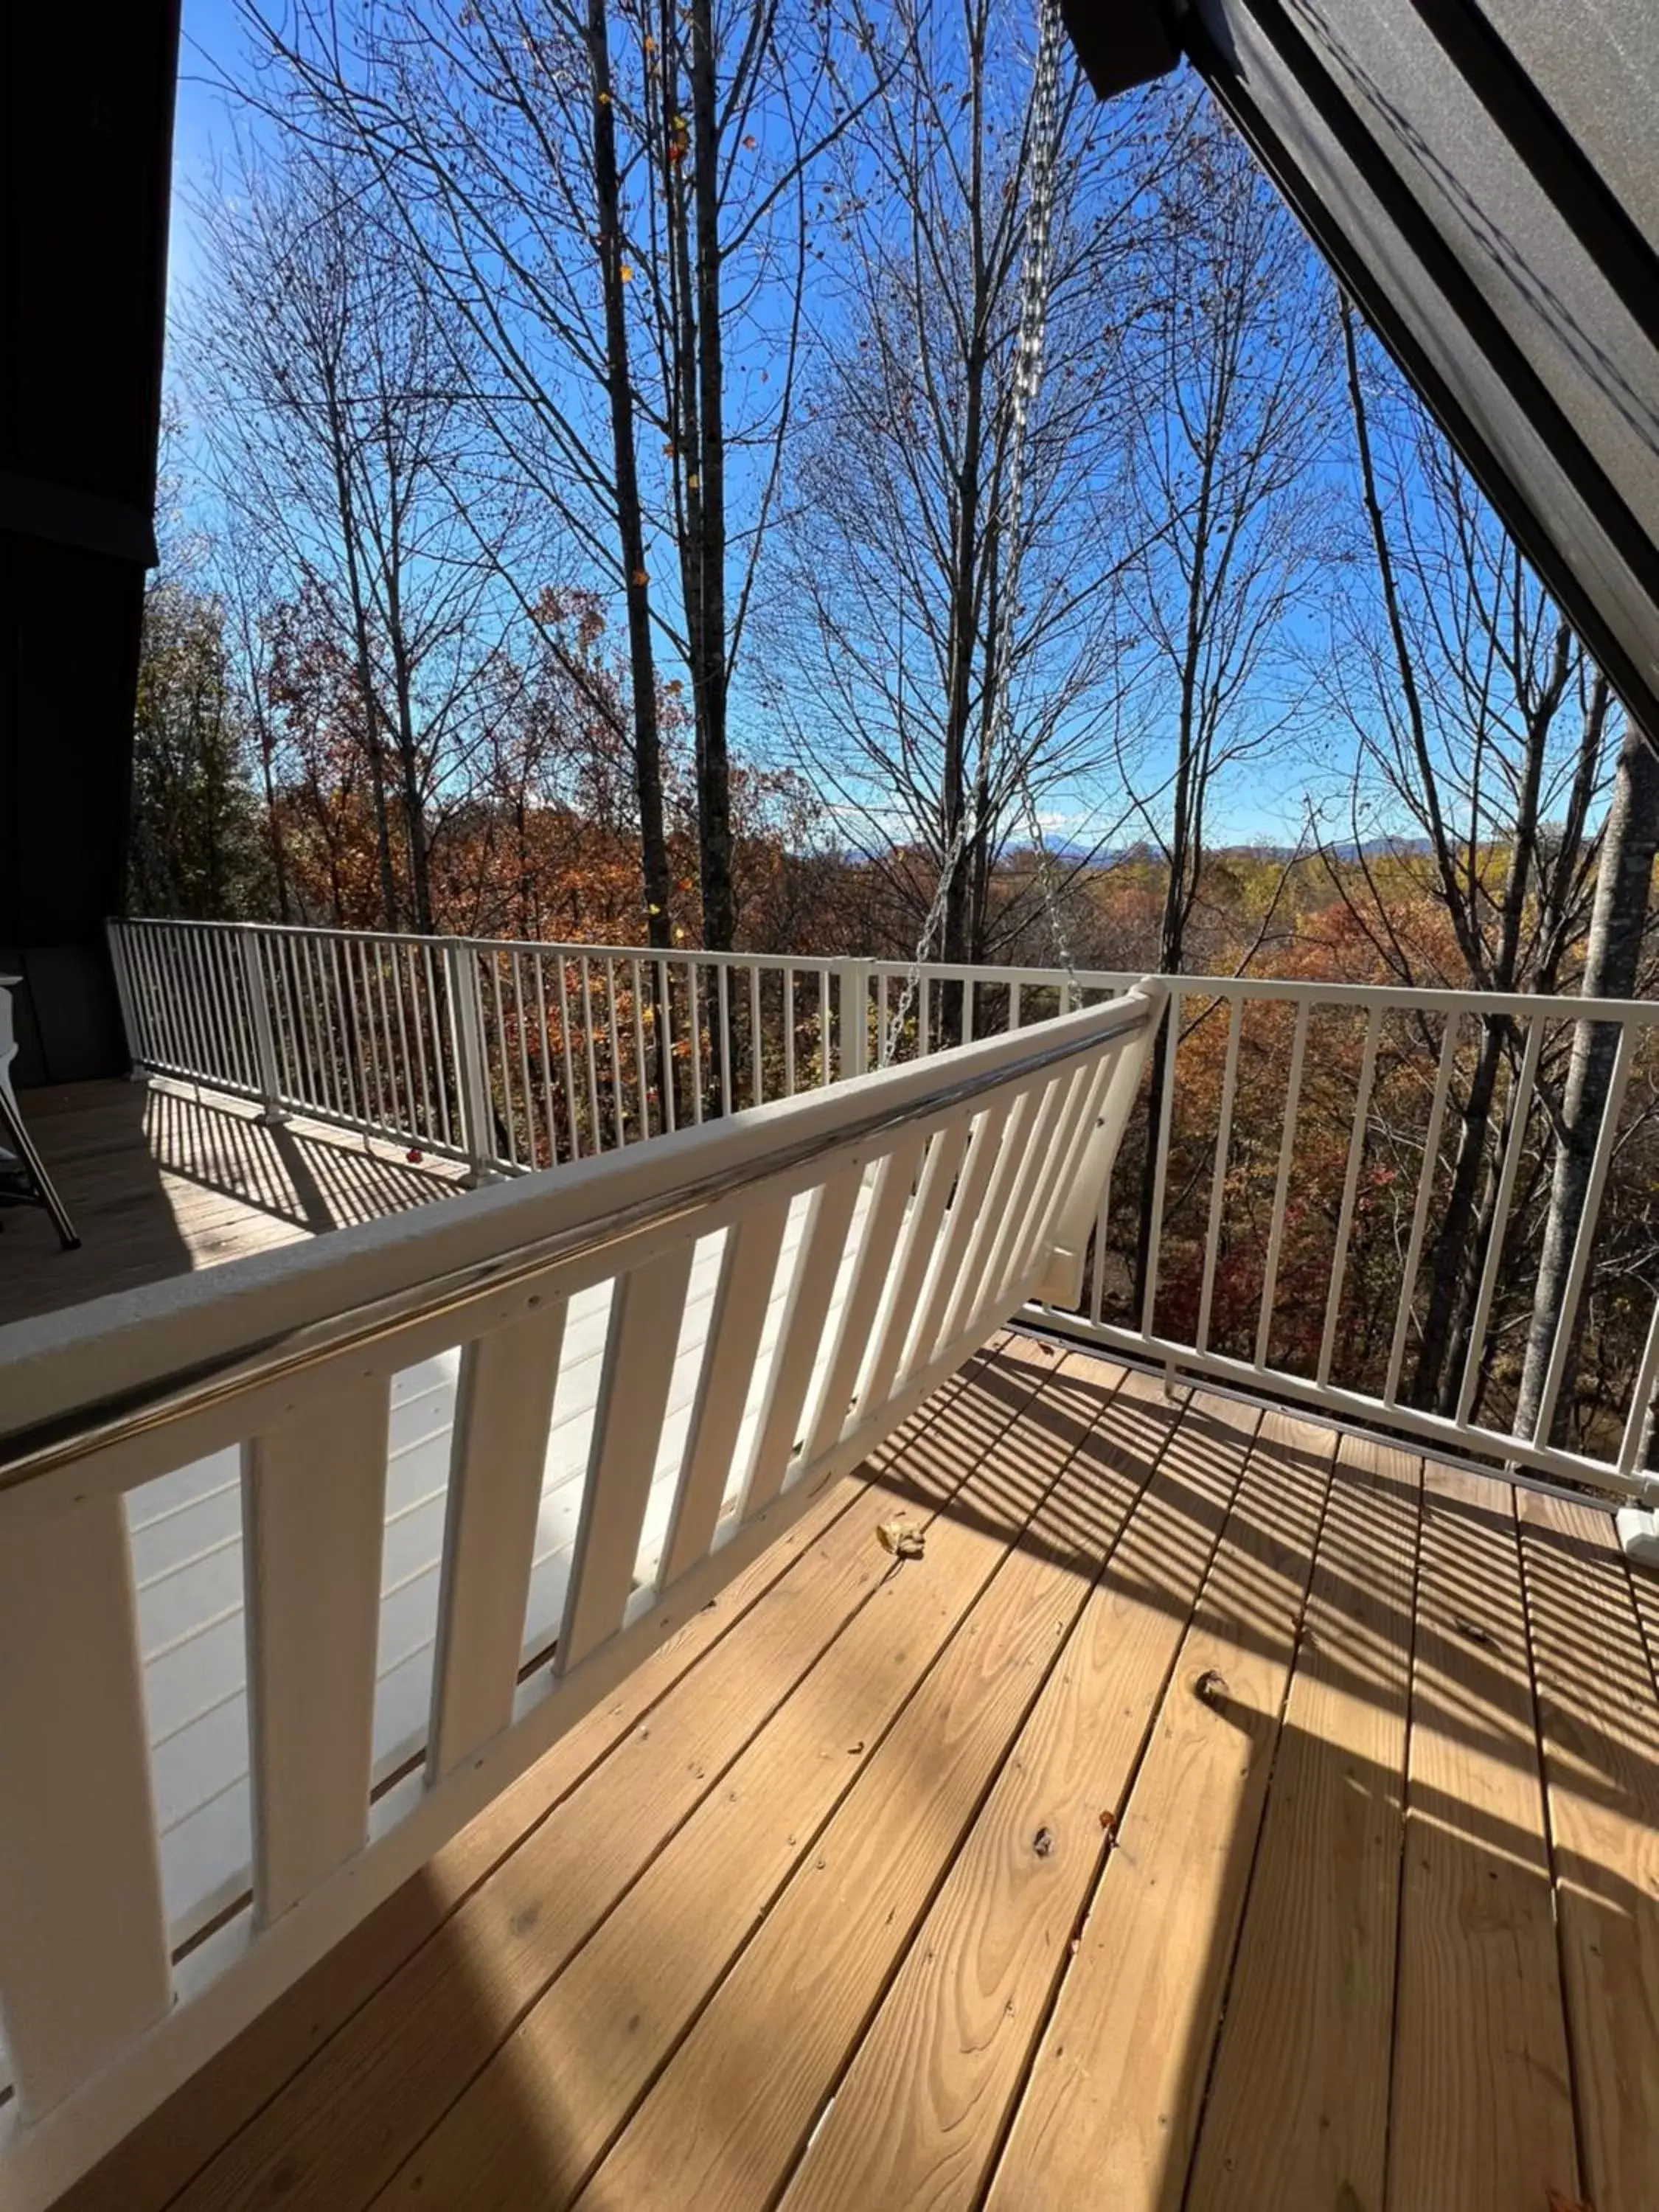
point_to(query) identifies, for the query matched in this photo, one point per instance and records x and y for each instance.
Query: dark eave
(1482, 182)
(86, 130)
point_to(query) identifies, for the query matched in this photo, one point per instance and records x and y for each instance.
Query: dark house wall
(86, 126)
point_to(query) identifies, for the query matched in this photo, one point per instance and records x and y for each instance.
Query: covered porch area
(163, 1177)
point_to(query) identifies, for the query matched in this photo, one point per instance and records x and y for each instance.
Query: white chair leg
(17, 1137)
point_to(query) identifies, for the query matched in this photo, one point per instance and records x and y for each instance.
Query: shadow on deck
(1220, 1813)
(159, 1179)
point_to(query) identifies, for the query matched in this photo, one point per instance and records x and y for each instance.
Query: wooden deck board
(1600, 1736)
(920, 2111)
(160, 1180)
(1298, 2105)
(1113, 2103)
(772, 1928)
(1482, 2118)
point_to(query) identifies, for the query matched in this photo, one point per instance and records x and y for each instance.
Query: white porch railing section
(1283, 1226)
(1380, 1081)
(892, 1223)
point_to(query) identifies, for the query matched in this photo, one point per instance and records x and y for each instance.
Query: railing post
(265, 1037)
(855, 1017)
(466, 1036)
(116, 936)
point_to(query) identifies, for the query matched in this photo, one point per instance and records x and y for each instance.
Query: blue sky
(1266, 806)
(212, 35)
(1269, 810)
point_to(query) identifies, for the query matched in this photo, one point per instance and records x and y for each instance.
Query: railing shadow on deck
(314, 1180)
(1186, 1431)
(416, 1961)
(93, 1139)
(1208, 2137)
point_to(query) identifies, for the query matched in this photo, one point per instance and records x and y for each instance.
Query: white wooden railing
(510, 1056)
(1347, 1043)
(513, 1056)
(516, 1056)
(899, 1219)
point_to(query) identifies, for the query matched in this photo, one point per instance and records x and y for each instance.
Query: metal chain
(1043, 134)
(1033, 320)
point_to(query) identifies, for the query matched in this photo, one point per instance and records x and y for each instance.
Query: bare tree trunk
(1185, 861)
(365, 667)
(376, 775)
(708, 671)
(1438, 1373)
(647, 751)
(409, 763)
(1624, 884)
(965, 578)
(273, 816)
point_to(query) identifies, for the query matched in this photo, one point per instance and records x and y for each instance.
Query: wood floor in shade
(161, 1178)
(1219, 1814)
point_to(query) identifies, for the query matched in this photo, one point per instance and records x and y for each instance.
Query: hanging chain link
(1033, 332)
(1043, 138)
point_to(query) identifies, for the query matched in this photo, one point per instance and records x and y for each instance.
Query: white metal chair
(23, 1177)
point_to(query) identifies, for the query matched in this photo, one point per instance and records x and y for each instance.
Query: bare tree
(250, 590)
(196, 845)
(607, 255)
(1230, 399)
(740, 108)
(1614, 961)
(332, 414)
(1228, 411)
(894, 644)
(1481, 725)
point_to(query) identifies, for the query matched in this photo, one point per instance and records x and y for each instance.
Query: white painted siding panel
(185, 1531)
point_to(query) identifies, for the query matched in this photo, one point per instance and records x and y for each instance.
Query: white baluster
(264, 1040)
(748, 1268)
(313, 1509)
(804, 1313)
(647, 1310)
(893, 1325)
(83, 1947)
(885, 1218)
(467, 1041)
(963, 1218)
(498, 1457)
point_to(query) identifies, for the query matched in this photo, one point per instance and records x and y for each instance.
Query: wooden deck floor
(159, 1179)
(1219, 1814)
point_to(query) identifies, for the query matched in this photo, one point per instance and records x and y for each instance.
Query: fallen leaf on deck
(903, 1543)
(1476, 1634)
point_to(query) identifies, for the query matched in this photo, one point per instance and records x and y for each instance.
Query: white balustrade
(944, 1193)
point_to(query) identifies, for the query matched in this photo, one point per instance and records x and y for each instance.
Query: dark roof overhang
(1482, 181)
(86, 130)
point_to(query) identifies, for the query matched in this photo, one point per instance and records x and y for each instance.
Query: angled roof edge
(1121, 46)
(1477, 177)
